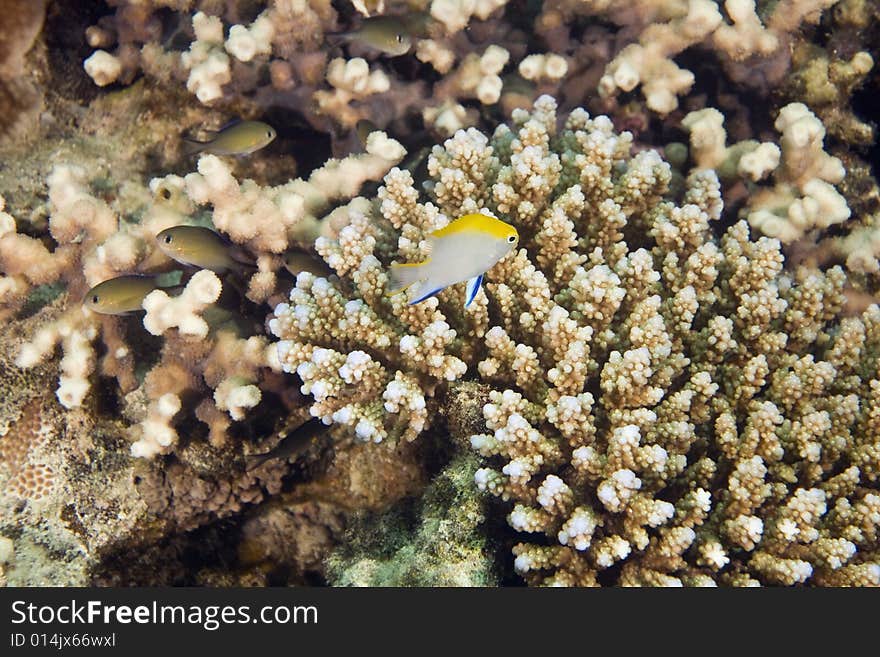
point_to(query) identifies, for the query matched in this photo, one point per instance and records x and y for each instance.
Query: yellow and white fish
(462, 251)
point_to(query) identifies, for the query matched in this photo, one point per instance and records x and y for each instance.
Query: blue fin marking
(427, 296)
(473, 287)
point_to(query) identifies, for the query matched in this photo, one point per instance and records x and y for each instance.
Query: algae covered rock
(437, 540)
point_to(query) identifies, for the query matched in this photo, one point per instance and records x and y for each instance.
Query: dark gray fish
(293, 444)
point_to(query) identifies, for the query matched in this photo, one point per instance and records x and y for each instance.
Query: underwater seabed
(217, 369)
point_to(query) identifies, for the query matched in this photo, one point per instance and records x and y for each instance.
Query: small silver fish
(200, 247)
(297, 260)
(293, 444)
(387, 34)
(240, 138)
(120, 295)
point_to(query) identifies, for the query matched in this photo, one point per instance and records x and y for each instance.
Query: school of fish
(464, 250)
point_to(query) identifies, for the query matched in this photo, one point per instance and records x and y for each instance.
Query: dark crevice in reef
(176, 560)
(66, 23)
(866, 106)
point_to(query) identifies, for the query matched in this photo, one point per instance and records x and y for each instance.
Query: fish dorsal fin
(232, 122)
(473, 286)
(478, 224)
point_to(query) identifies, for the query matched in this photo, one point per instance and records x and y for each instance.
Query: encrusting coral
(666, 407)
(753, 52)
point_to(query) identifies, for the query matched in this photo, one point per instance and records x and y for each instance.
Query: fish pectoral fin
(473, 287)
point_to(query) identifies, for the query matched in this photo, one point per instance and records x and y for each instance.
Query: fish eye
(165, 193)
(511, 238)
(399, 38)
(168, 239)
(268, 133)
(95, 298)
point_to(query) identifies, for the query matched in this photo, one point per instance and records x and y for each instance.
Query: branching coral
(803, 198)
(288, 54)
(209, 353)
(661, 401)
(753, 52)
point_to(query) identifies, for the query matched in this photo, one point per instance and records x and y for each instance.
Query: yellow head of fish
(462, 251)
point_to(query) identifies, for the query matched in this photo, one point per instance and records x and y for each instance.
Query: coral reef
(20, 96)
(826, 79)
(672, 380)
(288, 54)
(74, 502)
(658, 415)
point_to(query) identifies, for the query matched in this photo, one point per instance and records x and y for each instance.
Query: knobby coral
(803, 198)
(667, 404)
(230, 55)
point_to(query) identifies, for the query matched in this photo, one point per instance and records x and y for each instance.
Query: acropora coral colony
(672, 380)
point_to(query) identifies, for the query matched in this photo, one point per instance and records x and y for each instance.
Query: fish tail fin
(174, 289)
(192, 146)
(402, 276)
(337, 38)
(242, 260)
(253, 461)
